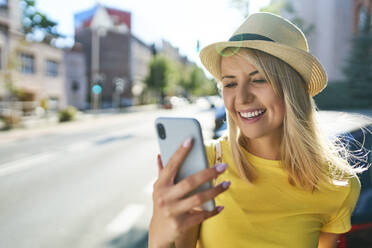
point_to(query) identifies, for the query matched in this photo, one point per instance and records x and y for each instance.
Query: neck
(267, 147)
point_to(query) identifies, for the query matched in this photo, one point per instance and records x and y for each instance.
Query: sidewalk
(42, 126)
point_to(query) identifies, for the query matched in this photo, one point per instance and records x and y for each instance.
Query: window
(27, 63)
(51, 68)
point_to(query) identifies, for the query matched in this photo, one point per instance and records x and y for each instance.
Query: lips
(252, 114)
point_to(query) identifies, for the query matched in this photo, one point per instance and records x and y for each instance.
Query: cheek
(228, 100)
(280, 110)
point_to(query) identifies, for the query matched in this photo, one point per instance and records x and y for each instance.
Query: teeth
(251, 114)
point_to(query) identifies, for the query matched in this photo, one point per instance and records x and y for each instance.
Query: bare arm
(328, 240)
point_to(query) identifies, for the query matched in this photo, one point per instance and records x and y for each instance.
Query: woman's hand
(173, 214)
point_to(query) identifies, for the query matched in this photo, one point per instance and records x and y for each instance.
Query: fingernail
(225, 184)
(187, 142)
(221, 167)
(219, 208)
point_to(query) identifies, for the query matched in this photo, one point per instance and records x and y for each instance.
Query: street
(84, 184)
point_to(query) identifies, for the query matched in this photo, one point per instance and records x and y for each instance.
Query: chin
(252, 134)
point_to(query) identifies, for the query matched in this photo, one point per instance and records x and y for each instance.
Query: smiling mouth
(253, 114)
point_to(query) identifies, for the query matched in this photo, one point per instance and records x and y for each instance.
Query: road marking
(126, 219)
(25, 163)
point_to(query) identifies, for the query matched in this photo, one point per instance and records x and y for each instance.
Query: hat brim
(303, 62)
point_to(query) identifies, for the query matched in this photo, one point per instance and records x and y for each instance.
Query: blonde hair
(306, 154)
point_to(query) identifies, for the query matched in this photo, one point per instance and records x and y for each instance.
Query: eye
(230, 85)
(259, 81)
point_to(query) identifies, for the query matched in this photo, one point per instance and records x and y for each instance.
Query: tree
(158, 77)
(358, 69)
(36, 25)
(197, 84)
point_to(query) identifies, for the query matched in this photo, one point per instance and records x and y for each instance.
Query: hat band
(248, 36)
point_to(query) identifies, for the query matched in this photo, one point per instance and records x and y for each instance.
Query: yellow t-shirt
(271, 212)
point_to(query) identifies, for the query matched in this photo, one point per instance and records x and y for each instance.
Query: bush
(9, 121)
(67, 114)
(24, 95)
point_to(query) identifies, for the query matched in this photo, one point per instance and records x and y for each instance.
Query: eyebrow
(253, 73)
(231, 76)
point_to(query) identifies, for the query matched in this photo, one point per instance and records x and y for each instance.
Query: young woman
(280, 182)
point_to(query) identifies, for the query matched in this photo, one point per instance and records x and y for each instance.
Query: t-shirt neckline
(258, 160)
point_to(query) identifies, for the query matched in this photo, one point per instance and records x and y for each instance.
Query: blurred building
(173, 53)
(76, 80)
(329, 40)
(140, 59)
(31, 66)
(334, 24)
(116, 60)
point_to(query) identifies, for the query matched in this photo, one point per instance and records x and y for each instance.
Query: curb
(39, 126)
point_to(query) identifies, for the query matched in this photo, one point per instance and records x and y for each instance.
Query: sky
(181, 22)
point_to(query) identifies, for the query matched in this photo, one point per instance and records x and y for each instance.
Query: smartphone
(172, 132)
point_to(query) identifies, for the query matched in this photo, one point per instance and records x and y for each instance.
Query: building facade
(35, 67)
(141, 55)
(76, 80)
(116, 60)
(40, 69)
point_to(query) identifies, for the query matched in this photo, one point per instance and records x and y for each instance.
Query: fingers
(176, 161)
(198, 199)
(160, 165)
(197, 218)
(192, 182)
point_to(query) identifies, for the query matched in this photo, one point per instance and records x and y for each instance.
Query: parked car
(220, 125)
(354, 133)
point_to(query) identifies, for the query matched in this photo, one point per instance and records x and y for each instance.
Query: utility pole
(96, 76)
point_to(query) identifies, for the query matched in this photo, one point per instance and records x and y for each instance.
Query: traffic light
(96, 89)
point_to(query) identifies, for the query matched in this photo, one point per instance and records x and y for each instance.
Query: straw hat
(274, 35)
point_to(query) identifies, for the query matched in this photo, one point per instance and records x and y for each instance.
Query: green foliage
(358, 70)
(35, 22)
(169, 78)
(197, 84)
(9, 121)
(159, 73)
(23, 95)
(67, 114)
(159, 76)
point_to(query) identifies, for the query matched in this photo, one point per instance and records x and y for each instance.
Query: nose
(245, 94)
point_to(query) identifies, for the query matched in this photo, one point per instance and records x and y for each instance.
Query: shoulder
(348, 187)
(354, 190)
(338, 220)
